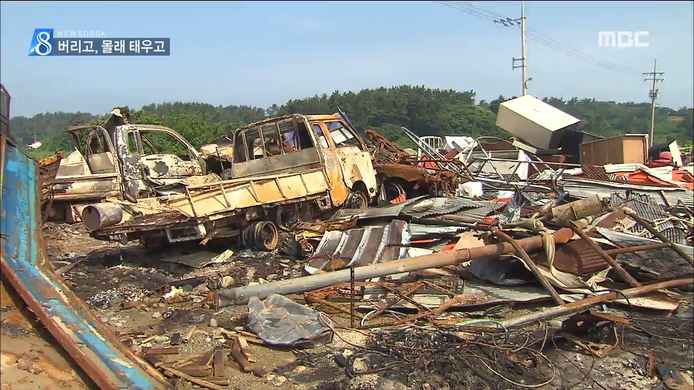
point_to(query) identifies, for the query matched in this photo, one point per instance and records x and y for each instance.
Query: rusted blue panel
(93, 346)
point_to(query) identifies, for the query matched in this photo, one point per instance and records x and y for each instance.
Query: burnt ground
(110, 274)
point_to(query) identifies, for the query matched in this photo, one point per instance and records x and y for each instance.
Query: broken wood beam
(162, 351)
(240, 359)
(241, 295)
(245, 349)
(218, 365)
(189, 378)
(577, 306)
(195, 370)
(222, 381)
(631, 213)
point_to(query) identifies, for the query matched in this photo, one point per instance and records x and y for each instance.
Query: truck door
(128, 146)
(353, 157)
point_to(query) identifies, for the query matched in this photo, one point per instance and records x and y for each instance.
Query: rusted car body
(276, 172)
(121, 159)
(402, 176)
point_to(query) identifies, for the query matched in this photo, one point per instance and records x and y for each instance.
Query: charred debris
(467, 263)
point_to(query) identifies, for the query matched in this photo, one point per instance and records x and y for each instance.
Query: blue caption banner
(44, 44)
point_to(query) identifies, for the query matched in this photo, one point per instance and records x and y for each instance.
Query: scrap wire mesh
(443, 359)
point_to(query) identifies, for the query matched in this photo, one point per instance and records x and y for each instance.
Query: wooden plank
(218, 364)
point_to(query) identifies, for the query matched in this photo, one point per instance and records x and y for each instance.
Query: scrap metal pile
(463, 264)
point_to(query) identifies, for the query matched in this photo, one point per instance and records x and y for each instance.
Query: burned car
(275, 172)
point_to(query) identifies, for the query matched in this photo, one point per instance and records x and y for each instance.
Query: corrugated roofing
(650, 211)
(583, 188)
(367, 245)
(443, 206)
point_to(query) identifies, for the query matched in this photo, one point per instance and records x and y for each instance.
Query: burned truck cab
(297, 143)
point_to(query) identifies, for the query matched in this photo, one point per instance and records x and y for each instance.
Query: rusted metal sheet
(23, 261)
(368, 245)
(85, 187)
(575, 257)
(594, 172)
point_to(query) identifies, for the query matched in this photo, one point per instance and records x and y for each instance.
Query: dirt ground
(109, 275)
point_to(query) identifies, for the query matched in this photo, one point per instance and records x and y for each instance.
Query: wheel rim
(358, 200)
(266, 236)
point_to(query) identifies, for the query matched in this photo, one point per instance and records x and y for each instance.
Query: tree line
(423, 110)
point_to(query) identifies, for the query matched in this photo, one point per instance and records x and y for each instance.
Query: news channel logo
(46, 43)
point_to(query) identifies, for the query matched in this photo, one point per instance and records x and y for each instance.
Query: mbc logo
(622, 39)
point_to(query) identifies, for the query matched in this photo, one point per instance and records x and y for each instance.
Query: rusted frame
(394, 301)
(261, 137)
(608, 259)
(224, 194)
(529, 262)
(335, 306)
(408, 298)
(429, 313)
(279, 138)
(244, 139)
(191, 202)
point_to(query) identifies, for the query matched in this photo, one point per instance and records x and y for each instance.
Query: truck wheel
(357, 200)
(262, 236)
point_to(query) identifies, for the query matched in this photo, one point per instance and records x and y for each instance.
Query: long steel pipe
(240, 295)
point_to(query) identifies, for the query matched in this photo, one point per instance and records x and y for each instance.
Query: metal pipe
(240, 295)
(529, 262)
(631, 213)
(577, 306)
(614, 264)
(578, 209)
(632, 249)
(99, 216)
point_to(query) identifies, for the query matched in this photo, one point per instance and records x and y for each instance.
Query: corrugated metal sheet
(576, 257)
(594, 172)
(648, 210)
(367, 245)
(442, 206)
(626, 240)
(480, 213)
(418, 231)
(583, 188)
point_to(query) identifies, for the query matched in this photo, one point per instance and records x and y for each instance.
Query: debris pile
(470, 264)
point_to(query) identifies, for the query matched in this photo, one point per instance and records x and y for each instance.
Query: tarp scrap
(281, 321)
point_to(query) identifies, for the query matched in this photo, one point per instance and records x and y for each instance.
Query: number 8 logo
(43, 41)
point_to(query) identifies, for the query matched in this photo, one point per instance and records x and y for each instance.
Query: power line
(508, 22)
(653, 93)
(540, 38)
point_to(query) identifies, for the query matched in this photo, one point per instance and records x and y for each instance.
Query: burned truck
(275, 172)
(121, 159)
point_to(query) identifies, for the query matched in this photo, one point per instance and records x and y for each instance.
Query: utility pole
(653, 94)
(508, 22)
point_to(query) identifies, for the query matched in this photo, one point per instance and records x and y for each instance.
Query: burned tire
(357, 200)
(262, 236)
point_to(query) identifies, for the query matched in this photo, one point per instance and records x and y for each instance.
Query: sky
(264, 53)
